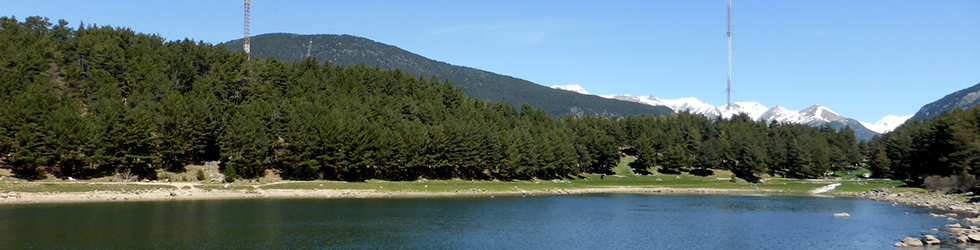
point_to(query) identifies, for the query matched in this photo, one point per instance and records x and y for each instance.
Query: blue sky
(863, 59)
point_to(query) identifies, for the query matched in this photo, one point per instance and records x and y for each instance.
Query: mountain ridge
(961, 99)
(814, 115)
(480, 84)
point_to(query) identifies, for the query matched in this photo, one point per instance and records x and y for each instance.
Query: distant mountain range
(487, 86)
(963, 99)
(564, 100)
(887, 124)
(814, 115)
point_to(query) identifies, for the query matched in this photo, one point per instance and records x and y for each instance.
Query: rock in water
(954, 225)
(930, 240)
(962, 239)
(912, 242)
(972, 220)
(974, 237)
(842, 215)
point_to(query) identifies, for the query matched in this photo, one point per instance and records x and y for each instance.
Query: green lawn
(594, 181)
(624, 177)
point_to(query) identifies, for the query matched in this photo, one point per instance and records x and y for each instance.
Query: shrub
(200, 175)
(230, 174)
(950, 184)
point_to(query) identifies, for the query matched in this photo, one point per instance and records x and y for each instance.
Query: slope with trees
(483, 85)
(941, 153)
(95, 101)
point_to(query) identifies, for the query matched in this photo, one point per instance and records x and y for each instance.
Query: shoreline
(166, 194)
(962, 230)
(933, 200)
(191, 191)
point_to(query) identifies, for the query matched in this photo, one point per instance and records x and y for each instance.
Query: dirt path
(824, 189)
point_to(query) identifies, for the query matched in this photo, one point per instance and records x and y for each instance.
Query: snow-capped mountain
(695, 106)
(887, 124)
(573, 88)
(815, 115)
(753, 109)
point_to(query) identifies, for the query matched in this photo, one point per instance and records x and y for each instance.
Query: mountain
(483, 85)
(963, 99)
(814, 115)
(695, 106)
(887, 124)
(573, 88)
(817, 115)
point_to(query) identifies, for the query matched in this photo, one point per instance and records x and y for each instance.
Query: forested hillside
(944, 149)
(94, 101)
(962, 99)
(345, 50)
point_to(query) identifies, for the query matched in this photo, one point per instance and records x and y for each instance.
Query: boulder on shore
(909, 242)
(972, 220)
(974, 237)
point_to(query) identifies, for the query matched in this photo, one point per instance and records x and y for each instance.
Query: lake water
(606, 221)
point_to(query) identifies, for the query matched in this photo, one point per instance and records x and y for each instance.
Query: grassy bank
(589, 181)
(625, 177)
(595, 181)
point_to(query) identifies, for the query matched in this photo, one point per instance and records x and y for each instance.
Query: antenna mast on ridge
(729, 35)
(248, 17)
(309, 48)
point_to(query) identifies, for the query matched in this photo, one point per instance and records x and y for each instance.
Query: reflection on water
(618, 221)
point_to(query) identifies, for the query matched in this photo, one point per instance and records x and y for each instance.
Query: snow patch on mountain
(695, 106)
(753, 109)
(887, 124)
(815, 115)
(573, 88)
(780, 114)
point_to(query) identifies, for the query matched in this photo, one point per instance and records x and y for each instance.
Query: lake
(604, 221)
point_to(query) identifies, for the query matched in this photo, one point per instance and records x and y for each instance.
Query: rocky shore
(963, 232)
(191, 193)
(932, 200)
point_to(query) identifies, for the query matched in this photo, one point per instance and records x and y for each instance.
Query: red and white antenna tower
(729, 35)
(248, 17)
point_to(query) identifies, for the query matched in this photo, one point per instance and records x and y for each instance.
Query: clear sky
(863, 59)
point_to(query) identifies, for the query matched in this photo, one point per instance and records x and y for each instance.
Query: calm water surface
(608, 221)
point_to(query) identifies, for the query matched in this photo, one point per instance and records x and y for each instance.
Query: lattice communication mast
(729, 36)
(248, 17)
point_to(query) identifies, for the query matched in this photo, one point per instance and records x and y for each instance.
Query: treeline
(95, 101)
(696, 144)
(948, 145)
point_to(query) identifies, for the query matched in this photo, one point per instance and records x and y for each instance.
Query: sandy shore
(189, 192)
